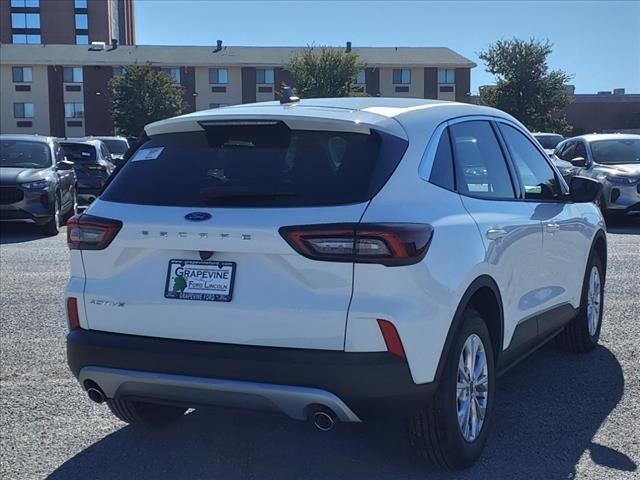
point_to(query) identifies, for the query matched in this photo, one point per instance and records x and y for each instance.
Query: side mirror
(579, 162)
(584, 189)
(65, 165)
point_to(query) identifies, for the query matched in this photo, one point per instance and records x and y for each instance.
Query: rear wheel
(452, 429)
(52, 227)
(583, 332)
(143, 413)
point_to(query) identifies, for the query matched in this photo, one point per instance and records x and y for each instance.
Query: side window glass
(537, 176)
(580, 151)
(567, 151)
(481, 169)
(442, 170)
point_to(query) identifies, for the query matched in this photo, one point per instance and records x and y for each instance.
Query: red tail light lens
(390, 244)
(87, 232)
(72, 313)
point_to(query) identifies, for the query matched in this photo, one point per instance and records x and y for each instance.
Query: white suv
(332, 259)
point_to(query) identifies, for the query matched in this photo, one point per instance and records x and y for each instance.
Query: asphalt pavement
(558, 415)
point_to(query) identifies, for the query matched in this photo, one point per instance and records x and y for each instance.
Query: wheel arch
(599, 246)
(484, 296)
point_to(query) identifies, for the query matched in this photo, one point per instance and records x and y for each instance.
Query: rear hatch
(199, 255)
(90, 171)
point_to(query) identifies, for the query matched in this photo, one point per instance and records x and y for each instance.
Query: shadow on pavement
(549, 408)
(19, 233)
(625, 225)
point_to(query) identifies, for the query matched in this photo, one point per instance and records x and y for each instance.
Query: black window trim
(426, 163)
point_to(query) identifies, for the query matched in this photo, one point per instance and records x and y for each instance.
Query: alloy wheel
(472, 388)
(594, 301)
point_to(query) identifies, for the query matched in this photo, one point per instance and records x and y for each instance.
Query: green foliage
(142, 95)
(324, 72)
(525, 87)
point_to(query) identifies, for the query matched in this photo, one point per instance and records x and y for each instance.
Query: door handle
(552, 227)
(496, 233)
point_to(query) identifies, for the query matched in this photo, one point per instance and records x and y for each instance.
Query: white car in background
(333, 260)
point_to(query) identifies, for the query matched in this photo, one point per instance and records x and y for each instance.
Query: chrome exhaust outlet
(94, 392)
(323, 418)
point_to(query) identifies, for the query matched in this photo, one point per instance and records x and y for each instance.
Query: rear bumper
(193, 373)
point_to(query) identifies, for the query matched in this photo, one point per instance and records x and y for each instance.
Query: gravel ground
(558, 415)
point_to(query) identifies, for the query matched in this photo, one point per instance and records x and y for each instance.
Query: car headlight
(622, 180)
(37, 185)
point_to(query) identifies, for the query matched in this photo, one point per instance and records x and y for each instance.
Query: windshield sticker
(147, 154)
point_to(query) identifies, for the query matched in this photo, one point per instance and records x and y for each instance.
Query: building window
(218, 76)
(446, 75)
(82, 21)
(361, 78)
(21, 38)
(218, 105)
(174, 73)
(82, 39)
(264, 76)
(401, 76)
(22, 74)
(73, 110)
(23, 110)
(25, 3)
(25, 20)
(80, 3)
(72, 75)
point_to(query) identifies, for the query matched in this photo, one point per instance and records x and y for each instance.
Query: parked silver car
(614, 160)
(549, 141)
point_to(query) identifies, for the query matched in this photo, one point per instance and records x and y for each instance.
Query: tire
(74, 206)
(581, 335)
(143, 413)
(52, 227)
(435, 431)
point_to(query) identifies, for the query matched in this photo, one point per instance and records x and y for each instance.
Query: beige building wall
(206, 97)
(39, 96)
(73, 97)
(388, 89)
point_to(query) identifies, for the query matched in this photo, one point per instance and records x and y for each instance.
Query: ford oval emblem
(198, 216)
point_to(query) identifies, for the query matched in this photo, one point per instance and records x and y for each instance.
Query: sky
(598, 42)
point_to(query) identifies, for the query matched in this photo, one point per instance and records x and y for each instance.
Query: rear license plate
(200, 280)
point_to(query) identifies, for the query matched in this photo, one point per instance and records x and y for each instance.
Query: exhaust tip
(95, 394)
(323, 418)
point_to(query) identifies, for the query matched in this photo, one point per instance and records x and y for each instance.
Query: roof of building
(229, 56)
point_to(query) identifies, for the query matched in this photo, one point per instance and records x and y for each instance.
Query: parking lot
(559, 415)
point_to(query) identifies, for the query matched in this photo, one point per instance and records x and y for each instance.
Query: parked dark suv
(37, 184)
(93, 165)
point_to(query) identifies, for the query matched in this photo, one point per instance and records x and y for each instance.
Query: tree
(324, 72)
(525, 87)
(142, 95)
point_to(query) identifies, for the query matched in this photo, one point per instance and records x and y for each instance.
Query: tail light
(390, 244)
(87, 232)
(72, 313)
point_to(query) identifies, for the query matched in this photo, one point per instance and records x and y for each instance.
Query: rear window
(117, 146)
(549, 142)
(79, 152)
(266, 165)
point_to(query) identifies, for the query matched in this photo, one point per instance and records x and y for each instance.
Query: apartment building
(54, 77)
(66, 21)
